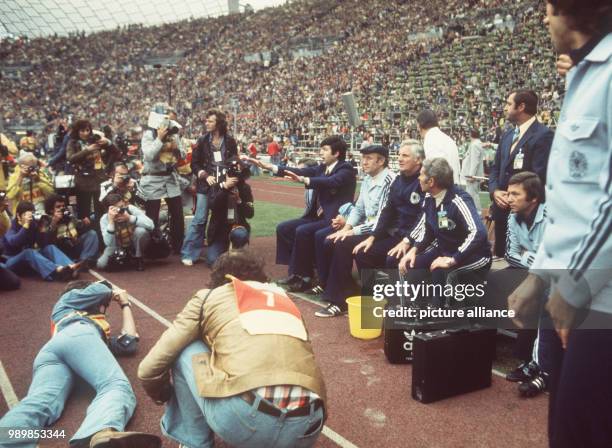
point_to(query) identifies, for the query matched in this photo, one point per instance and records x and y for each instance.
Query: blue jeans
(191, 420)
(76, 350)
(194, 240)
(239, 238)
(43, 261)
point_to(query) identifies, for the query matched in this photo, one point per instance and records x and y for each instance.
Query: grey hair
(439, 169)
(415, 148)
(27, 157)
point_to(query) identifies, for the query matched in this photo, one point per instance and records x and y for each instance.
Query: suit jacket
(535, 145)
(332, 191)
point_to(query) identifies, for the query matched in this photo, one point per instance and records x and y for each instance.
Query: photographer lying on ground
(276, 384)
(81, 346)
(126, 231)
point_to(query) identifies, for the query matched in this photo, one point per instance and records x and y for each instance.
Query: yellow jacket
(41, 189)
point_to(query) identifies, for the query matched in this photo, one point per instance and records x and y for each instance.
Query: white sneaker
(187, 262)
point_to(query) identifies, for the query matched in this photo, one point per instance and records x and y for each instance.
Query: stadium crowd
(105, 76)
(91, 197)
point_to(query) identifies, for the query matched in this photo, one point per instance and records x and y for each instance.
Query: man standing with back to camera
(574, 257)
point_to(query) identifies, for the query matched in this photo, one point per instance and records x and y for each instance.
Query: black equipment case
(452, 362)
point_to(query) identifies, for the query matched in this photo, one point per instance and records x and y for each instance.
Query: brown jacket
(239, 361)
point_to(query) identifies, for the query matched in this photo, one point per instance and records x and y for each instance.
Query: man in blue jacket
(450, 238)
(334, 184)
(525, 147)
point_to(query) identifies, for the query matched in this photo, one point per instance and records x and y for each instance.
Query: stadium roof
(36, 18)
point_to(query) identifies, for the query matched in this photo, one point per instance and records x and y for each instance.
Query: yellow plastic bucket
(373, 324)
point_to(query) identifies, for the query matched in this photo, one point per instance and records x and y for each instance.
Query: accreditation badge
(442, 220)
(518, 160)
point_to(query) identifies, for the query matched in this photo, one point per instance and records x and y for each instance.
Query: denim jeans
(191, 420)
(43, 261)
(76, 350)
(194, 240)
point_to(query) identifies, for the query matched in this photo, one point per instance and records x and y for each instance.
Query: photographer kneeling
(72, 236)
(276, 396)
(126, 233)
(29, 183)
(231, 204)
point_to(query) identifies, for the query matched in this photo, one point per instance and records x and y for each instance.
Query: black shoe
(301, 285)
(331, 311)
(285, 281)
(316, 290)
(139, 264)
(523, 373)
(535, 386)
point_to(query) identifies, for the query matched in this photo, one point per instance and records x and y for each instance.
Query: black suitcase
(399, 336)
(452, 362)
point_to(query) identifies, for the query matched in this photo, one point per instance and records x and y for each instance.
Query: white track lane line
(329, 433)
(7, 388)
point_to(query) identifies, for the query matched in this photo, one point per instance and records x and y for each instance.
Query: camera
(123, 210)
(120, 257)
(4, 152)
(235, 168)
(66, 215)
(94, 138)
(41, 218)
(30, 169)
(2, 196)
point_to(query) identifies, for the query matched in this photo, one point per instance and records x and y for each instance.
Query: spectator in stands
(334, 184)
(333, 251)
(231, 204)
(389, 242)
(436, 143)
(28, 183)
(449, 243)
(523, 148)
(81, 346)
(252, 150)
(212, 150)
(472, 168)
(20, 243)
(120, 183)
(8, 280)
(72, 236)
(284, 398)
(126, 231)
(577, 239)
(274, 150)
(84, 152)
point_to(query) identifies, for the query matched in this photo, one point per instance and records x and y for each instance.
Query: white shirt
(437, 144)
